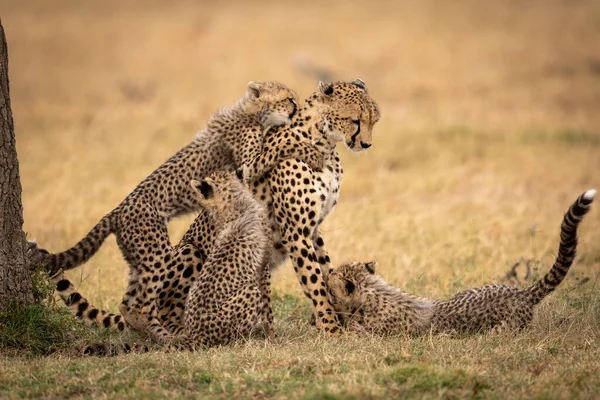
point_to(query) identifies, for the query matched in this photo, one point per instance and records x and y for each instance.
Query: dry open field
(490, 128)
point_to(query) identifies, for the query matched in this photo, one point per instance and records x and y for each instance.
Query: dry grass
(490, 126)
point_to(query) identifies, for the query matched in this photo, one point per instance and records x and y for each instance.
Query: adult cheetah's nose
(365, 145)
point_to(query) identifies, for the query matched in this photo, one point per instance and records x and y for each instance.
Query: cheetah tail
(79, 253)
(82, 309)
(566, 249)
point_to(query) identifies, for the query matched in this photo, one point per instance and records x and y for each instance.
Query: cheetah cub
(365, 302)
(230, 298)
(226, 301)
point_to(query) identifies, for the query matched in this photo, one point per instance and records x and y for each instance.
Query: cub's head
(220, 191)
(347, 113)
(273, 102)
(346, 284)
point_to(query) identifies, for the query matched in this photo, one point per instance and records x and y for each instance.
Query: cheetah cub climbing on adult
(234, 222)
(365, 302)
(228, 300)
(233, 138)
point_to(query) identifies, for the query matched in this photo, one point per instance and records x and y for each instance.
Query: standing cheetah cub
(365, 302)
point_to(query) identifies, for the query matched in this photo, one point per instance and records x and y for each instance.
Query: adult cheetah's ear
(254, 89)
(326, 89)
(361, 84)
(371, 266)
(203, 188)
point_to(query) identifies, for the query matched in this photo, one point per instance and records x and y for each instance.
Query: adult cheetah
(366, 302)
(233, 138)
(298, 199)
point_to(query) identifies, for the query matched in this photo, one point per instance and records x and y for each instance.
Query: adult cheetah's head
(346, 282)
(273, 102)
(348, 113)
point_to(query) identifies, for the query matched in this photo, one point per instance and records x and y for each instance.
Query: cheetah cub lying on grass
(365, 302)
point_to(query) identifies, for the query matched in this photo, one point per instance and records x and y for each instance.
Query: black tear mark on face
(349, 287)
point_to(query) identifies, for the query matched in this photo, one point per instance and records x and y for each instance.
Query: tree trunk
(15, 277)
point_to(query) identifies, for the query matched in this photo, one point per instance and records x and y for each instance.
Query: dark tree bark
(15, 277)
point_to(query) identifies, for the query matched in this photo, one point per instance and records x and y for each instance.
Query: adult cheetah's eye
(349, 287)
(294, 105)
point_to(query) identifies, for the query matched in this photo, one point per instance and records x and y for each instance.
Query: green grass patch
(415, 380)
(36, 330)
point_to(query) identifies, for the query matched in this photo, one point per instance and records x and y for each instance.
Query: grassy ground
(490, 129)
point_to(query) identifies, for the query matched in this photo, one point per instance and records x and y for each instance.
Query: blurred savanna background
(490, 128)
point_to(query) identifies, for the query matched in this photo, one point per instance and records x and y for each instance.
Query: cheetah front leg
(321, 252)
(297, 234)
(323, 260)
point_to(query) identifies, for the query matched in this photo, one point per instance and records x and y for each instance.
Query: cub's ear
(349, 286)
(254, 89)
(203, 188)
(239, 173)
(371, 266)
(361, 84)
(326, 89)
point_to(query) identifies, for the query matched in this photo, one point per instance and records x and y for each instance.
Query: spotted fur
(366, 302)
(233, 138)
(230, 299)
(297, 197)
